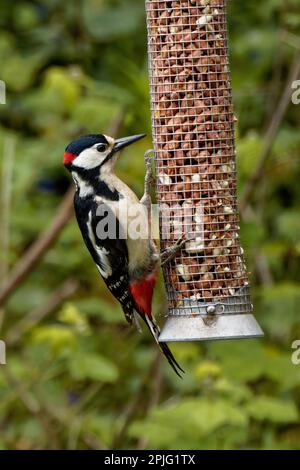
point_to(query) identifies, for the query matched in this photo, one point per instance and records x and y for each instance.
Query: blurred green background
(76, 375)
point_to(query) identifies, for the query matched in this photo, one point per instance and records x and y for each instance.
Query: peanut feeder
(193, 135)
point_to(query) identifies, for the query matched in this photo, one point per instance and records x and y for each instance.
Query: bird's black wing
(101, 232)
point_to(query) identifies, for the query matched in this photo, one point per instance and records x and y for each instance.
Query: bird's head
(95, 151)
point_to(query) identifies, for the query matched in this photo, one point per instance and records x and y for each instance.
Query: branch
(6, 191)
(30, 402)
(154, 399)
(134, 406)
(39, 247)
(41, 312)
(263, 269)
(271, 135)
(46, 413)
(290, 39)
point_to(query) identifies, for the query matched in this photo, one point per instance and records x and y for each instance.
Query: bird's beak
(125, 141)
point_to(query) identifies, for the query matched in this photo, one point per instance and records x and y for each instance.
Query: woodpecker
(128, 265)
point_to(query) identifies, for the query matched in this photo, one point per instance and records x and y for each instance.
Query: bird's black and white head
(95, 152)
(91, 160)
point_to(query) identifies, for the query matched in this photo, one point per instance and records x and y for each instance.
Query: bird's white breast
(133, 218)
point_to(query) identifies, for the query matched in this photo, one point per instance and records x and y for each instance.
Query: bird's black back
(87, 214)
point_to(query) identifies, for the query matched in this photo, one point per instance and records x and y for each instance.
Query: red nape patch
(142, 292)
(69, 157)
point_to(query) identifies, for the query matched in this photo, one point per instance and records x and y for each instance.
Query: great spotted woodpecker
(128, 264)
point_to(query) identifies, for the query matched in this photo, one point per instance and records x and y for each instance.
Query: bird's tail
(154, 328)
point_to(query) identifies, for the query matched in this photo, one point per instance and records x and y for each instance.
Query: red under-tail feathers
(142, 293)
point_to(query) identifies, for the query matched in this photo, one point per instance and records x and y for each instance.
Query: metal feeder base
(201, 328)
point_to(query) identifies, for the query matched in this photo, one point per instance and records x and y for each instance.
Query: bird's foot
(169, 253)
(149, 179)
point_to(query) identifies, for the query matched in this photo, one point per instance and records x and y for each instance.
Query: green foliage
(273, 410)
(70, 379)
(93, 367)
(107, 20)
(190, 423)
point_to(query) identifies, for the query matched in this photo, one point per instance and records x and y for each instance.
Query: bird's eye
(101, 147)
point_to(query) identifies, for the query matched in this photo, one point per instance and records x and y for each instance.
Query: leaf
(10, 71)
(102, 426)
(235, 392)
(93, 367)
(70, 315)
(110, 312)
(107, 22)
(188, 420)
(272, 409)
(288, 224)
(242, 361)
(63, 85)
(87, 113)
(207, 369)
(282, 297)
(59, 338)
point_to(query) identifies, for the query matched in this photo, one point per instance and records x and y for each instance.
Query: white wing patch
(84, 188)
(105, 269)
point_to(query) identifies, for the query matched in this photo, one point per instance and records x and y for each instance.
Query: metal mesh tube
(193, 136)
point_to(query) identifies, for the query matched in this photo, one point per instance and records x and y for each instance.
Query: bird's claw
(170, 253)
(149, 156)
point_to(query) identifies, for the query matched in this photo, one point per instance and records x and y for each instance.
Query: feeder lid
(201, 328)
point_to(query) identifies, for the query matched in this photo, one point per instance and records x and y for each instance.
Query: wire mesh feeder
(193, 133)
